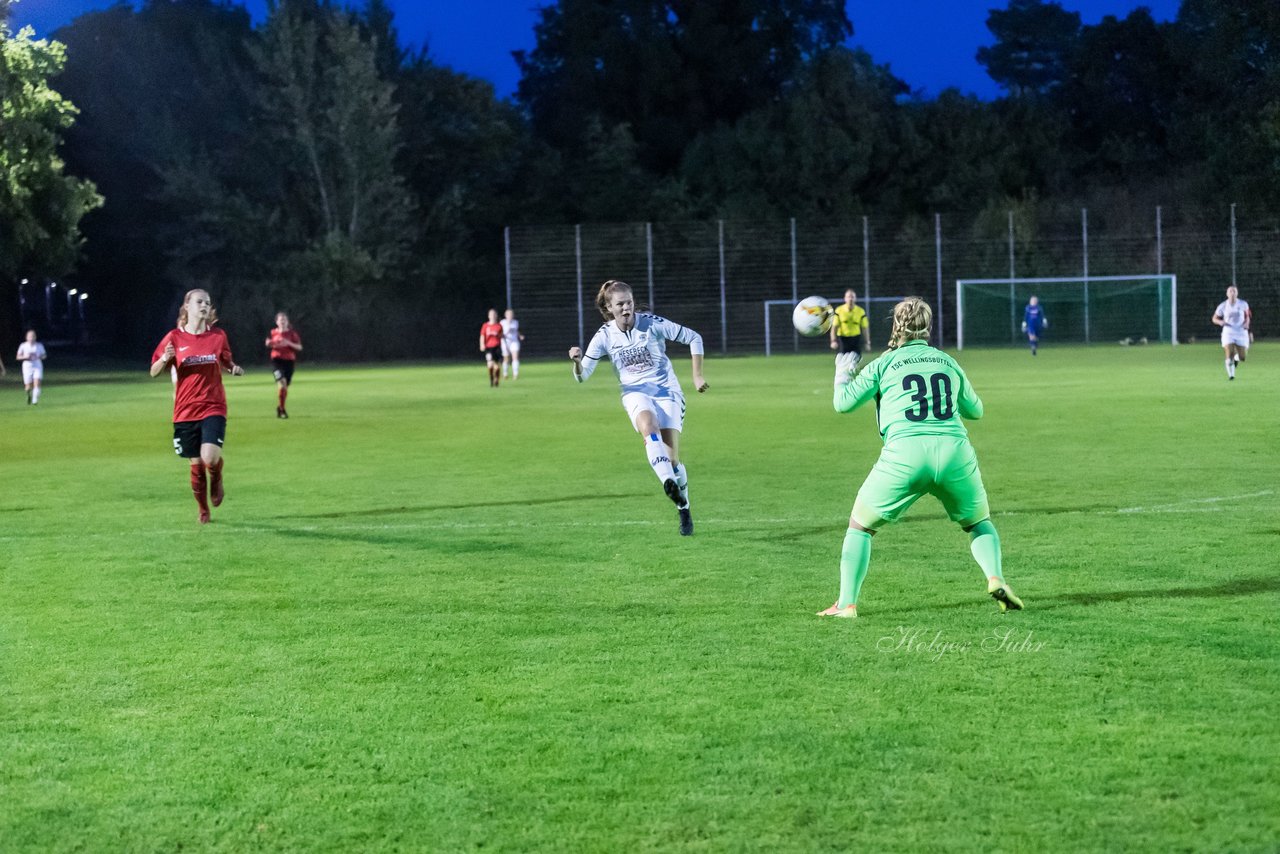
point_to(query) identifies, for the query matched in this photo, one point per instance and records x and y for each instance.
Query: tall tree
(137, 126)
(830, 148)
(1120, 96)
(1230, 93)
(1034, 44)
(337, 208)
(40, 206)
(668, 69)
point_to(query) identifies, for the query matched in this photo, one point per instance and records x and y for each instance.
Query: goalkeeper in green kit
(921, 394)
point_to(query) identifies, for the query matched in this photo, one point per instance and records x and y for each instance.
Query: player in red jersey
(285, 344)
(491, 346)
(200, 354)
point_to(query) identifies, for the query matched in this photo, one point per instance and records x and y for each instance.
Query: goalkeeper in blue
(921, 394)
(1033, 323)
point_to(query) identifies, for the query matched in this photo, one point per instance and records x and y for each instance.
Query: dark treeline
(314, 164)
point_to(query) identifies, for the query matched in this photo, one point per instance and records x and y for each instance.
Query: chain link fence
(717, 276)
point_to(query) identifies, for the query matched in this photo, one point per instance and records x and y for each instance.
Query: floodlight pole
(1159, 242)
(1013, 309)
(1233, 244)
(1084, 241)
(577, 254)
(648, 244)
(795, 283)
(866, 265)
(937, 242)
(724, 320)
(506, 240)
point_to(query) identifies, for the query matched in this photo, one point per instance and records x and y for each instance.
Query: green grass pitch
(436, 616)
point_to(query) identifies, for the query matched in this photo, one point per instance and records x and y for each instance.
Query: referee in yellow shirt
(850, 332)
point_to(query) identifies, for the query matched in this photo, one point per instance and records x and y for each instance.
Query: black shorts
(188, 436)
(850, 343)
(283, 370)
(493, 354)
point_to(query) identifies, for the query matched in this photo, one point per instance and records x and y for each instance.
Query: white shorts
(669, 410)
(32, 372)
(1240, 339)
(510, 348)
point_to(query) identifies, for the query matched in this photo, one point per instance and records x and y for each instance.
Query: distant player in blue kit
(1033, 321)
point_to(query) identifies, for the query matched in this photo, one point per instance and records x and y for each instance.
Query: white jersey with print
(510, 337)
(1233, 320)
(33, 353)
(639, 355)
(34, 356)
(1233, 316)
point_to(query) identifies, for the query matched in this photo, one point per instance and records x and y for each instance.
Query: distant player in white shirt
(32, 355)
(651, 394)
(1234, 317)
(511, 339)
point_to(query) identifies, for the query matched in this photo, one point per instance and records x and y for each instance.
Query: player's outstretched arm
(850, 391)
(698, 382)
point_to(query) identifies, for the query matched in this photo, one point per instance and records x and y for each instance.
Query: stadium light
(72, 292)
(53, 284)
(24, 281)
(84, 296)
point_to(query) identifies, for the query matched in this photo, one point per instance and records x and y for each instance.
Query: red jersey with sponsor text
(278, 350)
(492, 334)
(200, 360)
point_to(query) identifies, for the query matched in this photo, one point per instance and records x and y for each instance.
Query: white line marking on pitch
(1185, 506)
(1192, 505)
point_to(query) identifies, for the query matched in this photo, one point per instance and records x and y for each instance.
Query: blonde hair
(182, 312)
(912, 321)
(607, 290)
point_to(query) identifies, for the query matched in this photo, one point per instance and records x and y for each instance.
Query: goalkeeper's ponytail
(912, 321)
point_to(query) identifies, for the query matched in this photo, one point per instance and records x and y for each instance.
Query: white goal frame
(865, 302)
(1073, 280)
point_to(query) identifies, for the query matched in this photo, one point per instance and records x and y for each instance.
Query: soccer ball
(812, 316)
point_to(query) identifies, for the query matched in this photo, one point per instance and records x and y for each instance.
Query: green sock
(984, 542)
(855, 557)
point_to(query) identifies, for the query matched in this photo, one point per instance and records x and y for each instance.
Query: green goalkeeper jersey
(919, 391)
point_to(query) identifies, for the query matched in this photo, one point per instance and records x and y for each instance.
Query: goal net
(1081, 310)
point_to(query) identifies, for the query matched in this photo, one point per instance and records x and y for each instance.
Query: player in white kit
(651, 394)
(511, 339)
(1234, 316)
(32, 355)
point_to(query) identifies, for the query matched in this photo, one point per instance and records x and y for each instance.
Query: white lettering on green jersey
(919, 391)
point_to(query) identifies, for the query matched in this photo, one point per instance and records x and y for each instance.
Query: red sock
(284, 392)
(199, 486)
(215, 483)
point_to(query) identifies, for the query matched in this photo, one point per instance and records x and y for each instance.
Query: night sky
(928, 43)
